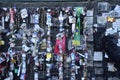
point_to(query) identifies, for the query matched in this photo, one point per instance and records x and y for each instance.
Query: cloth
(60, 43)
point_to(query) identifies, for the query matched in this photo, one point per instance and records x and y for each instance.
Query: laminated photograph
(103, 6)
(98, 56)
(101, 20)
(88, 22)
(89, 13)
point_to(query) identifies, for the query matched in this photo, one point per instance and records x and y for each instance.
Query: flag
(76, 40)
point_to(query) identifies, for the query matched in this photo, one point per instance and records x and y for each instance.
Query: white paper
(98, 56)
(118, 44)
(35, 76)
(111, 67)
(95, 25)
(73, 28)
(33, 40)
(24, 13)
(106, 56)
(7, 18)
(4, 8)
(61, 18)
(70, 19)
(111, 30)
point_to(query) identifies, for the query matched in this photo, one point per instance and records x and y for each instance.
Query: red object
(12, 13)
(61, 43)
